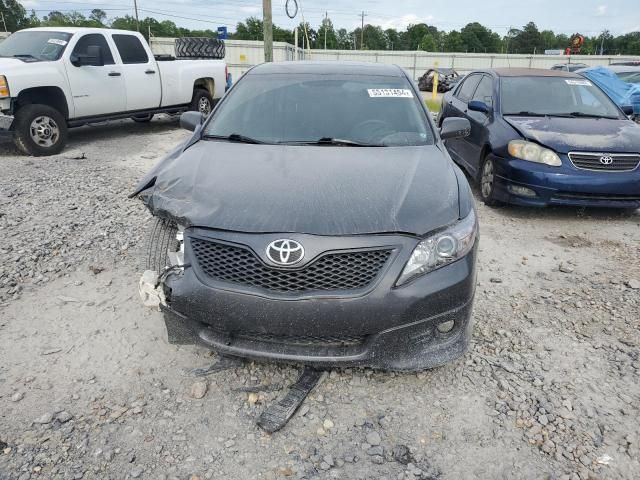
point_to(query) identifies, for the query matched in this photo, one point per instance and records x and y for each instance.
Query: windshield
(629, 77)
(353, 110)
(35, 45)
(558, 96)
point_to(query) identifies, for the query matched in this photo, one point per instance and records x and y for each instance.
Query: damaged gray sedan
(315, 217)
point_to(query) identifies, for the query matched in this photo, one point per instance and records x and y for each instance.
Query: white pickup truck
(55, 78)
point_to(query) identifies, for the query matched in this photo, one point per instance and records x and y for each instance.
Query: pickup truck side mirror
(455, 127)
(191, 120)
(93, 57)
(478, 106)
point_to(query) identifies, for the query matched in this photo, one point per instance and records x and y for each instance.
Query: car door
(140, 72)
(457, 107)
(96, 90)
(471, 146)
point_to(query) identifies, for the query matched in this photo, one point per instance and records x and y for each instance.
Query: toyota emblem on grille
(285, 252)
(606, 160)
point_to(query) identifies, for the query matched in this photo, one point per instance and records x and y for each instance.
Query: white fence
(243, 54)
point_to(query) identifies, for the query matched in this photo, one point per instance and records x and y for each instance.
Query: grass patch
(433, 105)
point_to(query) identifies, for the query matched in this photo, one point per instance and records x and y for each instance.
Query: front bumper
(381, 327)
(5, 125)
(565, 185)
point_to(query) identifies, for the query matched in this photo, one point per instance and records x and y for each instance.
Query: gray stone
(373, 438)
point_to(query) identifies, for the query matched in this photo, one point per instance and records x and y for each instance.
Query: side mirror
(191, 120)
(478, 106)
(93, 57)
(455, 127)
(627, 109)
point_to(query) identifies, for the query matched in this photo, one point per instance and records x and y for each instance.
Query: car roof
(78, 30)
(528, 72)
(327, 68)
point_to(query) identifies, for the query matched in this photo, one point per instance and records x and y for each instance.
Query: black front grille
(592, 161)
(333, 271)
(297, 340)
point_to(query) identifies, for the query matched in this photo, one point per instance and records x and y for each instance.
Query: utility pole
(362, 33)
(135, 6)
(326, 14)
(268, 30)
(601, 43)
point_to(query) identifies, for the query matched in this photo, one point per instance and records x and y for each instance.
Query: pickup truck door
(140, 71)
(96, 90)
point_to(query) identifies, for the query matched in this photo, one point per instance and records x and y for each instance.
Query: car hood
(7, 65)
(579, 134)
(322, 190)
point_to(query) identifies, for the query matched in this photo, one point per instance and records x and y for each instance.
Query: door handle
(150, 72)
(114, 74)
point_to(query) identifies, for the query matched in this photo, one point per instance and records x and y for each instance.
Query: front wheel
(143, 118)
(488, 183)
(40, 130)
(202, 101)
(162, 239)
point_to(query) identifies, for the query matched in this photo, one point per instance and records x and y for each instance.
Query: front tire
(40, 130)
(143, 118)
(202, 101)
(162, 237)
(487, 183)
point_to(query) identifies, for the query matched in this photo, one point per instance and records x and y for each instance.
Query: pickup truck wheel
(162, 237)
(202, 101)
(40, 130)
(143, 118)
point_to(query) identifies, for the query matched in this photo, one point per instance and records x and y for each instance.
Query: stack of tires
(199, 47)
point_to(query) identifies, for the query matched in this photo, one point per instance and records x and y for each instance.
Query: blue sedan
(544, 137)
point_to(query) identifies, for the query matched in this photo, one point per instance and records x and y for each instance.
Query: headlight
(441, 249)
(4, 87)
(532, 152)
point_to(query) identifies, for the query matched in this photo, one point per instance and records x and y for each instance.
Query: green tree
(326, 28)
(98, 17)
(415, 34)
(15, 16)
(453, 42)
(344, 39)
(478, 38)
(428, 43)
(251, 30)
(527, 40)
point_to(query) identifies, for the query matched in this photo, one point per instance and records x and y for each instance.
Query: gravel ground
(89, 388)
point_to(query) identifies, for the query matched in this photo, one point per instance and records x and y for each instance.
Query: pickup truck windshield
(555, 96)
(33, 46)
(347, 110)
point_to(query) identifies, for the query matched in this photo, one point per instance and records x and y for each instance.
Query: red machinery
(577, 41)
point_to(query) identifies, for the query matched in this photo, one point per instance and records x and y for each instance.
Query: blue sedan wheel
(487, 183)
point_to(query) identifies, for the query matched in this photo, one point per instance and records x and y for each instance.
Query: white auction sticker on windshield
(389, 93)
(584, 83)
(57, 41)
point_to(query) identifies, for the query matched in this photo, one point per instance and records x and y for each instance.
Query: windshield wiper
(334, 141)
(538, 114)
(591, 115)
(235, 137)
(25, 55)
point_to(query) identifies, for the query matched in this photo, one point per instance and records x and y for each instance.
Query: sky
(589, 17)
